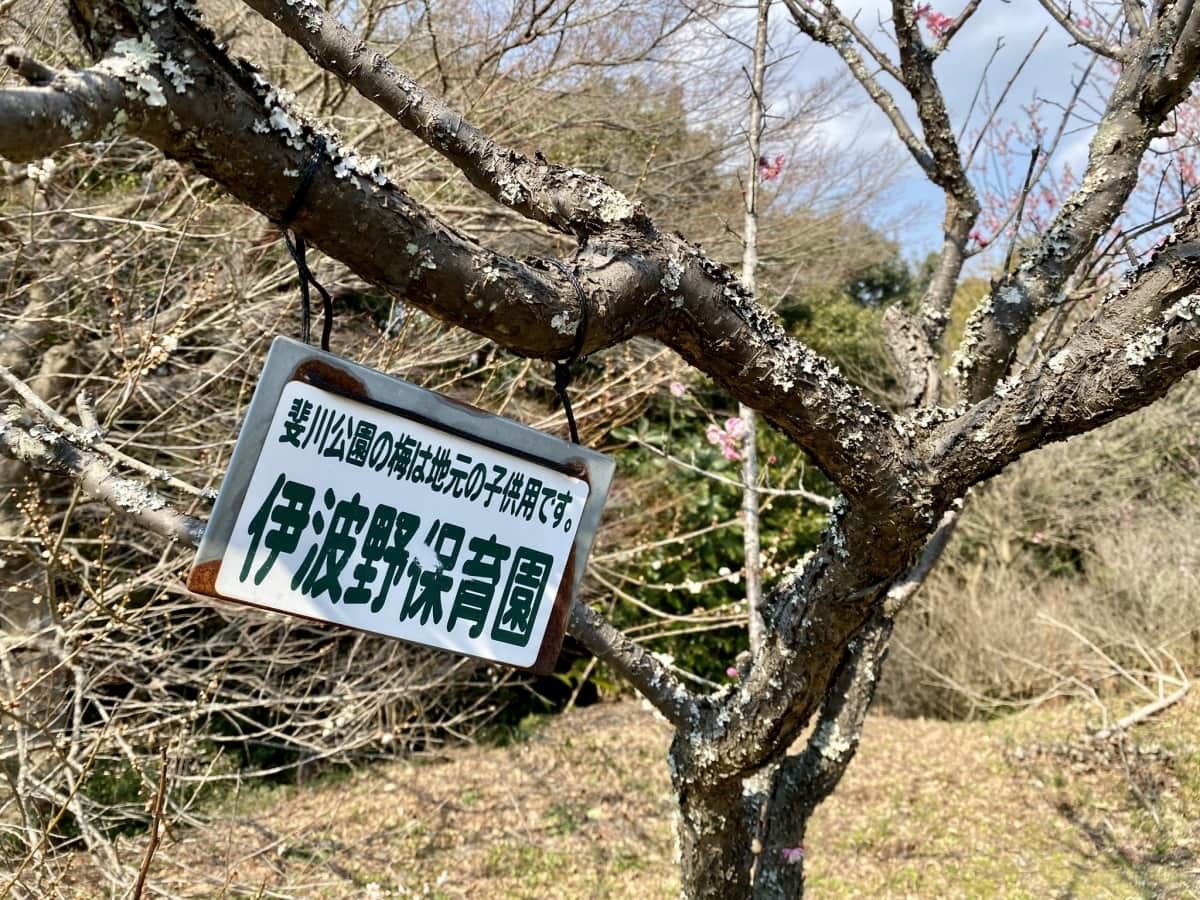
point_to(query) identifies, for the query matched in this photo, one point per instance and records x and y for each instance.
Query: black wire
(300, 255)
(305, 305)
(299, 252)
(562, 378)
(562, 368)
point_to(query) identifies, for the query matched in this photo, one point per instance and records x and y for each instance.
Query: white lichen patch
(1142, 348)
(282, 120)
(613, 206)
(830, 742)
(178, 75)
(1058, 362)
(1006, 386)
(131, 61)
(563, 323)
(1185, 309)
(134, 497)
(512, 192)
(837, 538)
(1011, 294)
(671, 278)
(903, 426)
(362, 173)
(73, 125)
(489, 272)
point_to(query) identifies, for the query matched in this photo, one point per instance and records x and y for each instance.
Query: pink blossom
(771, 460)
(792, 854)
(728, 438)
(1038, 537)
(1084, 22)
(733, 673)
(678, 388)
(977, 236)
(770, 169)
(937, 23)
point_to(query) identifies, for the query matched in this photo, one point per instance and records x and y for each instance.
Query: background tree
(745, 791)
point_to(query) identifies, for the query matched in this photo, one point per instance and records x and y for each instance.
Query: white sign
(360, 516)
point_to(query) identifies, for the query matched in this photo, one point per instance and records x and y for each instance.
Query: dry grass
(1080, 560)
(1024, 806)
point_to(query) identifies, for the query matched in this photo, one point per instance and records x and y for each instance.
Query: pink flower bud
(792, 855)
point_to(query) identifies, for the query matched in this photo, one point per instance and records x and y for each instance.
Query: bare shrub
(1079, 564)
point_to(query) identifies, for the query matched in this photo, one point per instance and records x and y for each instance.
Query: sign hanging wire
(562, 367)
(299, 251)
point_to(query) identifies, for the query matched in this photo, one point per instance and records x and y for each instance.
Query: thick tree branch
(566, 199)
(1157, 76)
(44, 449)
(803, 781)
(65, 107)
(1140, 341)
(234, 128)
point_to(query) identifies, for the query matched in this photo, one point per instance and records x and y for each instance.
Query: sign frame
(290, 360)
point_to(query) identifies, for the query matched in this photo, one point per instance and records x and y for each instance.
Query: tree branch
(947, 171)
(1151, 84)
(1081, 37)
(804, 780)
(65, 107)
(566, 199)
(635, 664)
(1140, 341)
(834, 32)
(44, 449)
(635, 279)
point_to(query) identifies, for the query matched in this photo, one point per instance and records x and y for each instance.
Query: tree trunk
(715, 830)
(732, 849)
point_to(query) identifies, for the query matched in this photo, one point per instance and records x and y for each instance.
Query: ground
(579, 806)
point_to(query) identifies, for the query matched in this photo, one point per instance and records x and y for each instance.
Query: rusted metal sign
(361, 500)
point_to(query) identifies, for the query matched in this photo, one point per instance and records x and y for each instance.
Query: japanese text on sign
(362, 517)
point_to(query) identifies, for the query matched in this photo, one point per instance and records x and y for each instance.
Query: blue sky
(914, 204)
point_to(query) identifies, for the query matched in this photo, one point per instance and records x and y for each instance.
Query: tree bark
(715, 828)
